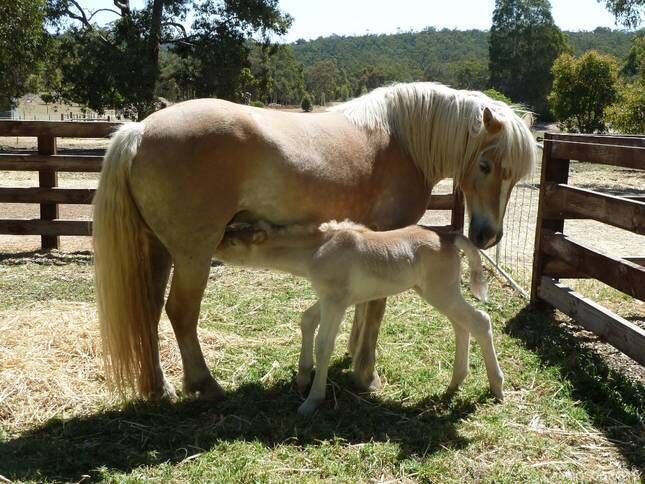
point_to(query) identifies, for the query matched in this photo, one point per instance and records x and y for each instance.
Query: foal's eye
(484, 166)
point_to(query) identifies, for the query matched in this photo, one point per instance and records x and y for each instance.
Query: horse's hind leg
(160, 267)
(186, 290)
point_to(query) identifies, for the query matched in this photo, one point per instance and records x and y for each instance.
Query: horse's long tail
(122, 270)
(477, 280)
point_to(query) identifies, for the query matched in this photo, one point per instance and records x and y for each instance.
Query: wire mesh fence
(512, 257)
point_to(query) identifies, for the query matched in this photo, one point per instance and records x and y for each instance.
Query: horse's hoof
(308, 407)
(166, 393)
(207, 389)
(370, 384)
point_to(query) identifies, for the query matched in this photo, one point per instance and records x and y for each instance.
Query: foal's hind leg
(186, 290)
(364, 354)
(308, 324)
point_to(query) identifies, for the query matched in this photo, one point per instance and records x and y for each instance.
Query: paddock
(573, 408)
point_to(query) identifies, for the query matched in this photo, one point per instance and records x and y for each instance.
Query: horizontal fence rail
(558, 256)
(48, 163)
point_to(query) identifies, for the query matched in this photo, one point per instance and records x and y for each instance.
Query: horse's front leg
(186, 290)
(368, 320)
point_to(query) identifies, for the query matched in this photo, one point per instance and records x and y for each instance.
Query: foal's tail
(477, 281)
(122, 270)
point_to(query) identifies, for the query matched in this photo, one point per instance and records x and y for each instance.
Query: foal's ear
(259, 237)
(491, 123)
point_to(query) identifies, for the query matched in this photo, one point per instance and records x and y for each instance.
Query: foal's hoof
(372, 383)
(207, 389)
(308, 407)
(302, 382)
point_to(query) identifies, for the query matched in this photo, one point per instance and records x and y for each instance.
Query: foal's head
(507, 155)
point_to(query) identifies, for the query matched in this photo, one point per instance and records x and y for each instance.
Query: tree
(119, 64)
(524, 42)
(305, 104)
(627, 12)
(582, 88)
(22, 47)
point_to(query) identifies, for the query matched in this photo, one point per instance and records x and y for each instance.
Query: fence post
(457, 215)
(48, 179)
(554, 170)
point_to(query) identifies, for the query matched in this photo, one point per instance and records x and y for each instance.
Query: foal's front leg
(308, 324)
(331, 315)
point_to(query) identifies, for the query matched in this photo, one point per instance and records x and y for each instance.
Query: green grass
(567, 415)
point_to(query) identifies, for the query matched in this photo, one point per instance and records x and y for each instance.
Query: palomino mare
(172, 183)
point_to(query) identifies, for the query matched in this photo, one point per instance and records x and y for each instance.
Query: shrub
(498, 96)
(306, 104)
(582, 88)
(257, 104)
(627, 115)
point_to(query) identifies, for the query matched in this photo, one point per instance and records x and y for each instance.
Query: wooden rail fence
(558, 256)
(48, 195)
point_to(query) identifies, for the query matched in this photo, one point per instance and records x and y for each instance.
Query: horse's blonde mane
(442, 128)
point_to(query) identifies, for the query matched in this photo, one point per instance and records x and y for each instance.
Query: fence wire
(512, 257)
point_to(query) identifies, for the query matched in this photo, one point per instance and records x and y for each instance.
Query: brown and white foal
(349, 264)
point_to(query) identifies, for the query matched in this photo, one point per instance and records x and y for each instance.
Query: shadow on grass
(615, 403)
(46, 257)
(149, 433)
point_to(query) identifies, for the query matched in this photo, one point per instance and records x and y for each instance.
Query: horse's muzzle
(483, 236)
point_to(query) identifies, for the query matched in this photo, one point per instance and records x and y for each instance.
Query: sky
(315, 18)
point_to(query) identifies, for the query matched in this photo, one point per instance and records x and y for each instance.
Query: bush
(256, 104)
(498, 96)
(306, 104)
(582, 88)
(628, 114)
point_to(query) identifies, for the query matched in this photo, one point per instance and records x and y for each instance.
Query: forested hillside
(453, 56)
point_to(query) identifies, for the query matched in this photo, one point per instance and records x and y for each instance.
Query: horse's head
(506, 155)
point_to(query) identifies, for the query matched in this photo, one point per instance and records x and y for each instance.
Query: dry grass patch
(567, 416)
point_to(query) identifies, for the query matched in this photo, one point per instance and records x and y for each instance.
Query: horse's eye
(484, 166)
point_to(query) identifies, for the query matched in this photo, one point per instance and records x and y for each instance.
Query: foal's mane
(295, 233)
(442, 128)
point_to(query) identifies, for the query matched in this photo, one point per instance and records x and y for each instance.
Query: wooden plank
(554, 170)
(615, 272)
(625, 156)
(564, 201)
(441, 202)
(51, 195)
(63, 129)
(45, 227)
(48, 178)
(620, 333)
(35, 162)
(457, 215)
(602, 139)
(639, 259)
(559, 269)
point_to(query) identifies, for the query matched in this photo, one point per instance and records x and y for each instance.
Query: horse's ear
(491, 123)
(529, 119)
